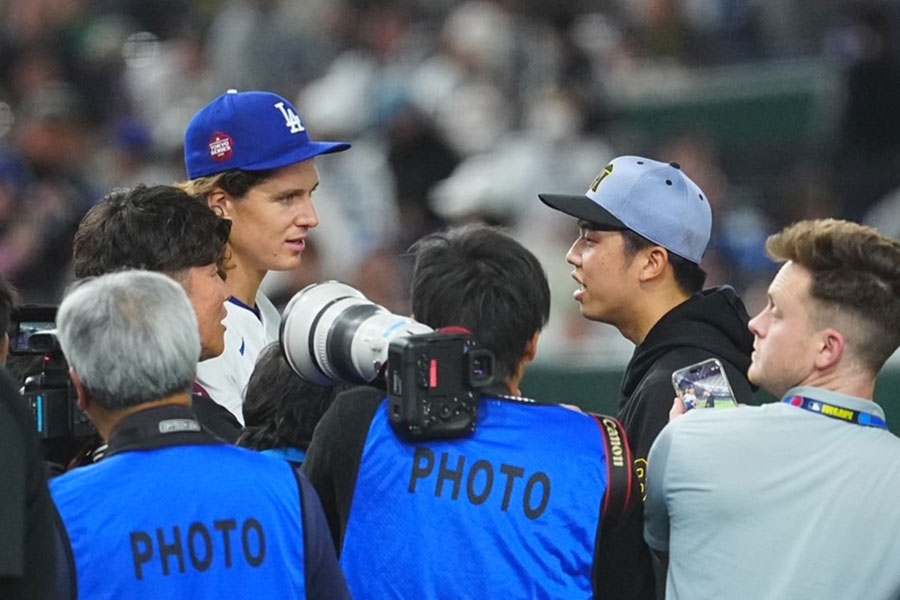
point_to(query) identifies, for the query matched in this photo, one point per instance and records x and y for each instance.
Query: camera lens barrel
(330, 332)
(339, 348)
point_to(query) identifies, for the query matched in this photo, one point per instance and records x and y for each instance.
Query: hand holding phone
(703, 385)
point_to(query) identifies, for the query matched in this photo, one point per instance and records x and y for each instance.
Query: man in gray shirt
(797, 499)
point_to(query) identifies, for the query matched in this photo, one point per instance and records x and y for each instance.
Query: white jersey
(225, 377)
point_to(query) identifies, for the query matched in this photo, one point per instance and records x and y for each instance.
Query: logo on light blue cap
(656, 200)
(607, 171)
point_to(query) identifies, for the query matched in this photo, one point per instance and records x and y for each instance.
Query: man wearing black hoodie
(644, 228)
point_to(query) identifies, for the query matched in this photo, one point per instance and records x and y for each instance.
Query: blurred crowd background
(459, 112)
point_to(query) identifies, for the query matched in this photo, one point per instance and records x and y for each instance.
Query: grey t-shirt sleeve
(656, 513)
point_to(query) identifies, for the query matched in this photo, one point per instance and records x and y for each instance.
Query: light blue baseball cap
(653, 199)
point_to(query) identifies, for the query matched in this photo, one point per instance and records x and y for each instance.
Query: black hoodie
(712, 324)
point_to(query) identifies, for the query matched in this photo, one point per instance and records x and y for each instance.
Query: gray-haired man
(172, 511)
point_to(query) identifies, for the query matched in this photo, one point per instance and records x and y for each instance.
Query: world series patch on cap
(250, 131)
(653, 199)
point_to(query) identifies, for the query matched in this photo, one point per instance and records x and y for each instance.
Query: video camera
(46, 387)
(331, 332)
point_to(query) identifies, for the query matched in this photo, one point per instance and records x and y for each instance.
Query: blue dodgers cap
(251, 131)
(653, 199)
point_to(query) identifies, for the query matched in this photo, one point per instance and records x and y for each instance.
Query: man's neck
(243, 281)
(858, 385)
(649, 312)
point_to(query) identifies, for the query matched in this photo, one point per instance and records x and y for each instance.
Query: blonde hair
(200, 187)
(236, 183)
(855, 270)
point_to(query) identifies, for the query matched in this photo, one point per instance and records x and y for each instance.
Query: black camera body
(433, 383)
(54, 403)
(330, 332)
(47, 388)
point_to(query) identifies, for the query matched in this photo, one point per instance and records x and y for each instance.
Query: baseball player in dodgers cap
(250, 157)
(644, 227)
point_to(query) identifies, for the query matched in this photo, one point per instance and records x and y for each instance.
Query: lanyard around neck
(836, 412)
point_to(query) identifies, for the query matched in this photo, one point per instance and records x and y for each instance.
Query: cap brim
(302, 153)
(582, 207)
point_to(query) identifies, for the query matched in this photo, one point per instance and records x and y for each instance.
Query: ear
(84, 400)
(219, 202)
(831, 349)
(531, 348)
(654, 259)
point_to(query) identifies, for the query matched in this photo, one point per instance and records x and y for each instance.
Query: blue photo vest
(185, 522)
(510, 512)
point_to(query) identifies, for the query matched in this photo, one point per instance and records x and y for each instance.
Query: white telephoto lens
(330, 333)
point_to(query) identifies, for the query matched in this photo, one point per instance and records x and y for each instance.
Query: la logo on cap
(221, 147)
(291, 119)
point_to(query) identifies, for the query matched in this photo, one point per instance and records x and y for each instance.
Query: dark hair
(9, 299)
(236, 182)
(157, 228)
(281, 410)
(485, 281)
(854, 269)
(688, 275)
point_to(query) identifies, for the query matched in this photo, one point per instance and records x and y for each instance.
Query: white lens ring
(298, 320)
(330, 332)
(322, 333)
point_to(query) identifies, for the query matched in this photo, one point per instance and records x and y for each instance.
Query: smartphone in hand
(703, 385)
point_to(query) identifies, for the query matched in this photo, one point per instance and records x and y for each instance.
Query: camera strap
(618, 466)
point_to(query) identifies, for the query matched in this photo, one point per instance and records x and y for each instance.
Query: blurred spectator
(268, 44)
(420, 85)
(419, 158)
(885, 215)
(382, 277)
(869, 154)
(50, 193)
(132, 157)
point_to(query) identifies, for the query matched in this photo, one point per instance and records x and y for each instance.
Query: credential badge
(291, 119)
